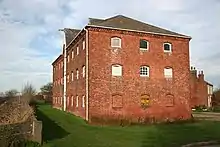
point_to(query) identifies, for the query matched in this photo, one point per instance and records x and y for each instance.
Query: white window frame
(117, 70)
(84, 44)
(167, 70)
(77, 74)
(83, 101)
(142, 71)
(77, 50)
(83, 71)
(72, 76)
(77, 101)
(144, 49)
(170, 45)
(112, 42)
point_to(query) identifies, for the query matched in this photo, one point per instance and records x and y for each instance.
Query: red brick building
(201, 91)
(122, 68)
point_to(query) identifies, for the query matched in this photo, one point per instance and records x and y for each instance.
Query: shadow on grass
(51, 130)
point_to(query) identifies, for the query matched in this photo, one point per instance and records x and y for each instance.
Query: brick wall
(121, 96)
(199, 91)
(58, 82)
(76, 87)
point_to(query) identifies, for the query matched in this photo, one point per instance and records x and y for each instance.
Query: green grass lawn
(61, 129)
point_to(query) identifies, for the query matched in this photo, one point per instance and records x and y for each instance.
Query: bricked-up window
(84, 44)
(169, 100)
(72, 54)
(144, 71)
(83, 101)
(77, 74)
(168, 72)
(83, 71)
(77, 50)
(77, 101)
(116, 70)
(167, 47)
(71, 100)
(72, 76)
(116, 42)
(144, 45)
(117, 101)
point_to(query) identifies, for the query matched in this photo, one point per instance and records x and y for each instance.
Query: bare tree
(11, 93)
(28, 92)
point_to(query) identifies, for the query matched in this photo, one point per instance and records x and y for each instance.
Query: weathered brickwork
(76, 87)
(169, 99)
(199, 91)
(58, 82)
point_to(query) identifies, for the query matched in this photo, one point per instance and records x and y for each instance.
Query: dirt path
(206, 116)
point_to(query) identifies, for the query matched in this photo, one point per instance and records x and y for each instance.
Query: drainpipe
(87, 74)
(64, 74)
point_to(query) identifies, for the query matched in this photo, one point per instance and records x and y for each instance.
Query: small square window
(167, 47)
(144, 71)
(116, 42)
(116, 70)
(144, 45)
(168, 72)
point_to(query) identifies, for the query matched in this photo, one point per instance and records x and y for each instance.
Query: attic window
(167, 47)
(144, 45)
(116, 42)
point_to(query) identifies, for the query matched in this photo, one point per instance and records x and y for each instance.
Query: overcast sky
(30, 40)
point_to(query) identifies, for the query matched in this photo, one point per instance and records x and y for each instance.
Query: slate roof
(70, 34)
(123, 22)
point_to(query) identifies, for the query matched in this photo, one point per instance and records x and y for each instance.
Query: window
(144, 45)
(62, 64)
(83, 71)
(68, 58)
(77, 74)
(116, 70)
(83, 101)
(144, 71)
(116, 42)
(67, 101)
(77, 50)
(167, 47)
(61, 100)
(168, 72)
(72, 100)
(72, 54)
(68, 78)
(77, 101)
(72, 75)
(84, 44)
